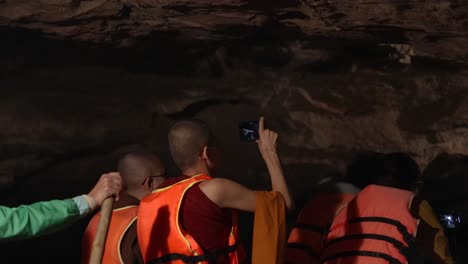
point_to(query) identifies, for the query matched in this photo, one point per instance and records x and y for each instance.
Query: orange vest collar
(162, 207)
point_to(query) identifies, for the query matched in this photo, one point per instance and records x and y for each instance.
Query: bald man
(141, 173)
(192, 218)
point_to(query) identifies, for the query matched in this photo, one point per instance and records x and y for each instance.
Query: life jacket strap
(407, 237)
(404, 250)
(314, 228)
(390, 259)
(303, 247)
(208, 256)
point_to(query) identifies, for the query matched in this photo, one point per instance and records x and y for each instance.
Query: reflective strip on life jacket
(377, 224)
(160, 236)
(121, 220)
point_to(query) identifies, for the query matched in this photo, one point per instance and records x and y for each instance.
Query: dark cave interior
(84, 81)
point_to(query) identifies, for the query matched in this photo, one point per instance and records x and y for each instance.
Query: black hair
(186, 141)
(395, 169)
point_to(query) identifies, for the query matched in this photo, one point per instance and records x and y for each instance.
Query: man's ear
(205, 153)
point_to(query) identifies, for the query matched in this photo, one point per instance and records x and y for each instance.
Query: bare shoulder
(229, 194)
(215, 188)
(215, 185)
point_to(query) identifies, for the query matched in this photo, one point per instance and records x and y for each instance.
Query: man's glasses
(150, 180)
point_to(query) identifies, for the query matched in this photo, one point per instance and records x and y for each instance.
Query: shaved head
(136, 166)
(186, 141)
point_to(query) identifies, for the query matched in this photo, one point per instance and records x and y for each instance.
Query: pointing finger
(261, 125)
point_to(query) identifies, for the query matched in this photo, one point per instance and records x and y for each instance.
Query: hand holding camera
(255, 131)
(266, 141)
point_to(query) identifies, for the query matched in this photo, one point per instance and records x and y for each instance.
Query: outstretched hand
(267, 141)
(108, 185)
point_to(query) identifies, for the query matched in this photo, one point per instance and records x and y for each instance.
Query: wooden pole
(99, 242)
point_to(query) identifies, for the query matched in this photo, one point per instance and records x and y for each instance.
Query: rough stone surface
(333, 77)
(83, 81)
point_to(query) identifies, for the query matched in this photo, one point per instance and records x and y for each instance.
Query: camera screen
(450, 221)
(249, 131)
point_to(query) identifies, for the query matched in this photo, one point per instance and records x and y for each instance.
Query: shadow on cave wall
(272, 45)
(86, 103)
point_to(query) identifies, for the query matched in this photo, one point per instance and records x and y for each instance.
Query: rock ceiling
(332, 76)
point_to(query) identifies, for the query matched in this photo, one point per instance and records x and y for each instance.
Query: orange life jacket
(122, 219)
(163, 240)
(308, 236)
(375, 227)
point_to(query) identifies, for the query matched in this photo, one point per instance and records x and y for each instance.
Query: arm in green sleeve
(27, 221)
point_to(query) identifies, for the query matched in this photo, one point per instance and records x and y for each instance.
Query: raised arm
(228, 194)
(267, 147)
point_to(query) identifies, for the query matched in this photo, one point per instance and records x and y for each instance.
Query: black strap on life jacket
(403, 249)
(314, 228)
(306, 248)
(396, 243)
(208, 256)
(407, 236)
(390, 259)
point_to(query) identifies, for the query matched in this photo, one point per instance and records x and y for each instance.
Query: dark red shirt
(208, 224)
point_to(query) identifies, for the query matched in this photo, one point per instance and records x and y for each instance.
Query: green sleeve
(40, 218)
